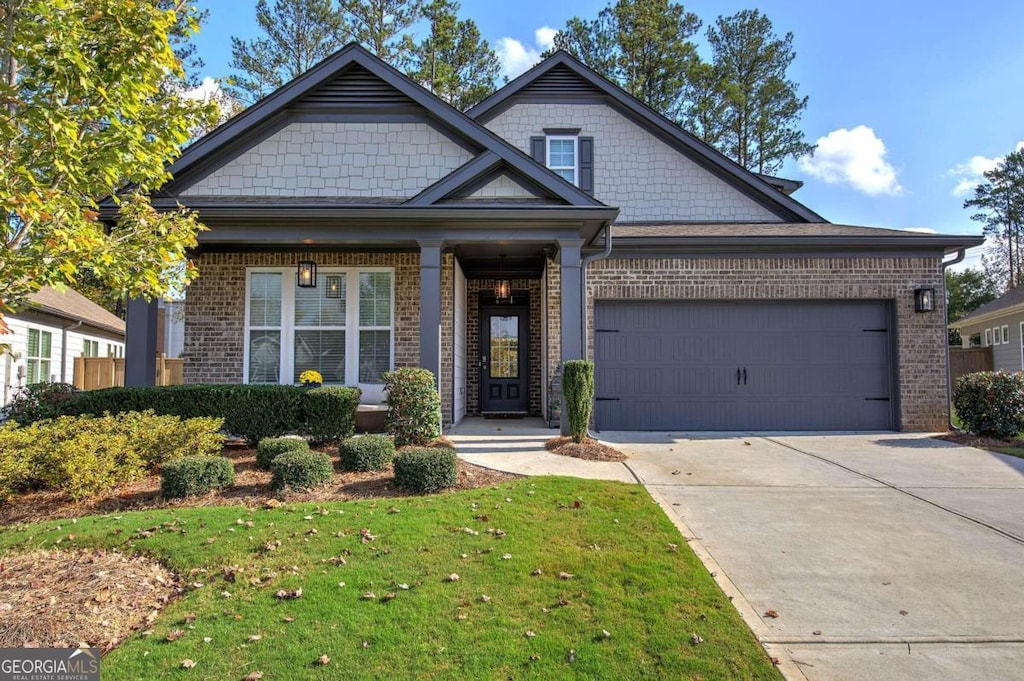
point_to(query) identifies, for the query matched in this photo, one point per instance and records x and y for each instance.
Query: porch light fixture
(924, 300)
(503, 288)
(305, 274)
(334, 286)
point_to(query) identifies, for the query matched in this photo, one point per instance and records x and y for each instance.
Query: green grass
(627, 580)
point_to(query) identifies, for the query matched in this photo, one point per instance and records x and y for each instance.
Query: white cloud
(208, 90)
(854, 157)
(969, 174)
(920, 230)
(516, 57)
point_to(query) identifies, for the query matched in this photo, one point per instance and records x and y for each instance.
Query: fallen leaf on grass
(485, 599)
(323, 660)
(529, 633)
(289, 593)
(453, 577)
(255, 637)
(565, 575)
(369, 596)
(254, 676)
(175, 635)
(696, 639)
(188, 664)
(537, 572)
(289, 620)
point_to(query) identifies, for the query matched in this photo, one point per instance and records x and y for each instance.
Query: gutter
(64, 348)
(960, 254)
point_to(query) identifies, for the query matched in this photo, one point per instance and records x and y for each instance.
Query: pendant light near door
(503, 288)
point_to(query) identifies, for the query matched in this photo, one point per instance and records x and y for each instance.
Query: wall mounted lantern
(924, 300)
(503, 288)
(333, 286)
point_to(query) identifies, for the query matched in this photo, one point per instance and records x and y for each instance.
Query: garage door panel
(672, 365)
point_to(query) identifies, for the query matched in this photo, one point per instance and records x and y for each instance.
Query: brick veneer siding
(634, 170)
(215, 308)
(473, 289)
(447, 377)
(921, 338)
(553, 319)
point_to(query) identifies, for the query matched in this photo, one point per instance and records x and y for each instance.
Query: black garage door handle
(606, 399)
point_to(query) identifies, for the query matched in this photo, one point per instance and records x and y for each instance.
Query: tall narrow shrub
(414, 406)
(578, 396)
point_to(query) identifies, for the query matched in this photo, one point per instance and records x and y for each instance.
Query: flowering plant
(310, 377)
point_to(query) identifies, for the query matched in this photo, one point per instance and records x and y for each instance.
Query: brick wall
(921, 337)
(447, 337)
(215, 308)
(634, 170)
(338, 159)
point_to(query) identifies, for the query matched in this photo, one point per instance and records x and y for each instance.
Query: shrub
(254, 412)
(38, 401)
(15, 461)
(330, 413)
(991, 403)
(414, 406)
(191, 476)
(366, 452)
(423, 470)
(578, 396)
(163, 438)
(301, 470)
(272, 447)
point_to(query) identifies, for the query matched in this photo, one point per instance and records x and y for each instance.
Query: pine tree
(382, 27)
(1000, 203)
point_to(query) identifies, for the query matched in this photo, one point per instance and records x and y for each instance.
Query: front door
(504, 358)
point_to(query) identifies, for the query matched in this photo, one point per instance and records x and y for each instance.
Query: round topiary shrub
(423, 470)
(301, 470)
(366, 452)
(270, 448)
(191, 476)
(991, 403)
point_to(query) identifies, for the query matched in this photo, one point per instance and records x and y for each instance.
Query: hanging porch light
(503, 287)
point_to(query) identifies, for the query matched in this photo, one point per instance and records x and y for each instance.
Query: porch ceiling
(521, 261)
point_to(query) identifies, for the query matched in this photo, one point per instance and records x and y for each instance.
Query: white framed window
(343, 328)
(996, 338)
(115, 350)
(90, 348)
(988, 337)
(38, 355)
(1006, 334)
(563, 156)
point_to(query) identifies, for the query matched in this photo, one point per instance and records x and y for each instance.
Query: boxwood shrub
(270, 448)
(423, 470)
(38, 401)
(191, 476)
(301, 470)
(250, 411)
(366, 452)
(991, 403)
(414, 406)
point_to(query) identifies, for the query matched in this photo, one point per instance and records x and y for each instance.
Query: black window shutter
(586, 145)
(538, 150)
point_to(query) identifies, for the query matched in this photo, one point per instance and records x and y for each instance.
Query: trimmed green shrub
(423, 470)
(250, 411)
(191, 476)
(159, 439)
(366, 452)
(38, 401)
(271, 447)
(991, 403)
(578, 396)
(301, 470)
(331, 413)
(414, 406)
(15, 461)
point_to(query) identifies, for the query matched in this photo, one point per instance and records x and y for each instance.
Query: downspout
(583, 283)
(64, 349)
(960, 255)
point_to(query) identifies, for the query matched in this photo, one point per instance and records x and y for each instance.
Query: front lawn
(544, 568)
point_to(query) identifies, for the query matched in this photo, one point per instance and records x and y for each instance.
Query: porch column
(572, 302)
(140, 343)
(430, 307)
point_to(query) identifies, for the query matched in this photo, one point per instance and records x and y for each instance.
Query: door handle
(744, 375)
(483, 362)
(737, 377)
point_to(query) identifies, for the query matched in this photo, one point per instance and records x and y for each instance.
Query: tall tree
(642, 45)
(999, 200)
(382, 27)
(967, 290)
(296, 35)
(453, 61)
(759, 128)
(84, 111)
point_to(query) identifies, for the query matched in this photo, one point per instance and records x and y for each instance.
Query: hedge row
(254, 412)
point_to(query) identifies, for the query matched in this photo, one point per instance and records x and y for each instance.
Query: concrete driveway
(886, 556)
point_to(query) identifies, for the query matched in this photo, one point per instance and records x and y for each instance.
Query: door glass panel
(505, 346)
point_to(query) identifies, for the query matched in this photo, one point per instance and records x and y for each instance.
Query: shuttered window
(37, 356)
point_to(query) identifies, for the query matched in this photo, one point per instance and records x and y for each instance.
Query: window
(37, 356)
(1006, 334)
(988, 337)
(114, 350)
(90, 348)
(562, 157)
(343, 328)
(995, 336)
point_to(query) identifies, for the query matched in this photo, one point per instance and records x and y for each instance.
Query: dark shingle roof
(733, 229)
(73, 305)
(1011, 298)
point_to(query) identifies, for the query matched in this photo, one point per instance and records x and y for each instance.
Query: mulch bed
(252, 487)
(64, 599)
(590, 449)
(968, 440)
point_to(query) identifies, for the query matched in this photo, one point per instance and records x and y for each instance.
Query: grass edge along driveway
(545, 567)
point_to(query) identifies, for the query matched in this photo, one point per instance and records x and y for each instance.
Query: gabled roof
(73, 306)
(1011, 302)
(352, 78)
(563, 76)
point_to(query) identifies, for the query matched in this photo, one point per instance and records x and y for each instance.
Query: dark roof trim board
(205, 153)
(563, 65)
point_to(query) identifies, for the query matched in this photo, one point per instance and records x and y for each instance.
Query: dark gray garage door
(789, 365)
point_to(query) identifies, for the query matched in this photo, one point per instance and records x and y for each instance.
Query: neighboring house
(459, 242)
(171, 328)
(998, 325)
(49, 332)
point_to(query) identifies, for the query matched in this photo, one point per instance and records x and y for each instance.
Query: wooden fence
(93, 373)
(969, 360)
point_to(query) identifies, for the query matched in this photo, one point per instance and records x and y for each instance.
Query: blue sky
(909, 100)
